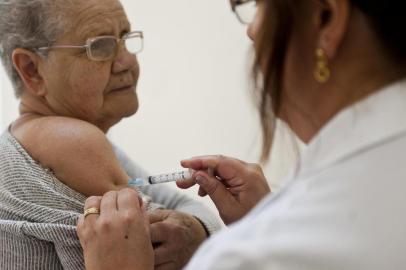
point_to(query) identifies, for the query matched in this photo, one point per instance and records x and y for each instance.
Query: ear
(27, 65)
(333, 19)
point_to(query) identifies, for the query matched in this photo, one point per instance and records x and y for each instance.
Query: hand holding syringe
(161, 178)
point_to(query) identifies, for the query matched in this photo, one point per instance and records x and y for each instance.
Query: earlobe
(27, 65)
(333, 20)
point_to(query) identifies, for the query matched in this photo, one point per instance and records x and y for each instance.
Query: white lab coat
(343, 207)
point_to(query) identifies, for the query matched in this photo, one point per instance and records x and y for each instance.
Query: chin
(130, 108)
(130, 112)
(120, 105)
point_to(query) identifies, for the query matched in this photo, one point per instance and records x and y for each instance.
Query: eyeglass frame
(234, 4)
(89, 42)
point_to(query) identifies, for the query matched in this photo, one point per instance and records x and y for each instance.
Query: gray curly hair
(29, 24)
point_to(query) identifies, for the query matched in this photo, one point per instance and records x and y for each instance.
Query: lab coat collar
(369, 122)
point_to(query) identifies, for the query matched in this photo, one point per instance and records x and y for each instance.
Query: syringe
(161, 178)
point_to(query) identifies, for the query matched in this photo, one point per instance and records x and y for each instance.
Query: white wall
(193, 91)
(194, 87)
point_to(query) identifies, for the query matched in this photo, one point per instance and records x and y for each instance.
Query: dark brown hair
(387, 19)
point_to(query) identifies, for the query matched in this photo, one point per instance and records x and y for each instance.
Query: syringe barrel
(170, 177)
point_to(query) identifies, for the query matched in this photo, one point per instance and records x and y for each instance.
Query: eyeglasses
(105, 48)
(245, 10)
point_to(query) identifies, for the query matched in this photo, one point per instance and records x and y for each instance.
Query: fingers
(205, 163)
(92, 202)
(195, 164)
(219, 194)
(80, 228)
(84, 226)
(145, 217)
(108, 205)
(202, 192)
(80, 223)
(129, 208)
(157, 216)
(185, 184)
(129, 200)
(202, 162)
(158, 232)
(224, 167)
(163, 255)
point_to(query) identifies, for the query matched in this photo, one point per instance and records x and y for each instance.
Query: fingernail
(201, 180)
(180, 181)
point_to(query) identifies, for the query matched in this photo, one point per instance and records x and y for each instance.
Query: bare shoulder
(78, 152)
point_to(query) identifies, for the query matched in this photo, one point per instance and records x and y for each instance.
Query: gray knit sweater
(38, 213)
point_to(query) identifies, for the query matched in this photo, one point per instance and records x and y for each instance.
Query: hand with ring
(114, 232)
(91, 211)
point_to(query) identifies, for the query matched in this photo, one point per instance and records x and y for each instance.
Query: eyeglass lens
(134, 44)
(246, 12)
(105, 48)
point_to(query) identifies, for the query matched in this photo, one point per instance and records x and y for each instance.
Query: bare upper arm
(79, 153)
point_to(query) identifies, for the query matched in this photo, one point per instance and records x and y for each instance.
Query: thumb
(218, 193)
(157, 216)
(145, 217)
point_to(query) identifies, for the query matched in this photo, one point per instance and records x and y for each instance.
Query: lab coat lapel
(370, 122)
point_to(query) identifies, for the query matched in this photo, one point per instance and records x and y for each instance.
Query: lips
(123, 88)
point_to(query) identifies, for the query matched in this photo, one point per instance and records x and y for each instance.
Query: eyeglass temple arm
(63, 47)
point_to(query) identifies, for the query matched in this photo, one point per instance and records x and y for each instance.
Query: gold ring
(91, 211)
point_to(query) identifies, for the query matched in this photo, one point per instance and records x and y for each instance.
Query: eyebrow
(125, 26)
(95, 31)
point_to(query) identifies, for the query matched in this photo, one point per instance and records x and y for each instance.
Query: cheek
(289, 78)
(89, 82)
(298, 70)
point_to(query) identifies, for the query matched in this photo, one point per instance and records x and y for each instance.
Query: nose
(124, 61)
(255, 25)
(250, 31)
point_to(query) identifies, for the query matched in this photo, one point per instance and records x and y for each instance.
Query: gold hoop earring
(322, 72)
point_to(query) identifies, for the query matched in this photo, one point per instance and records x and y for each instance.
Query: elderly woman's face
(98, 92)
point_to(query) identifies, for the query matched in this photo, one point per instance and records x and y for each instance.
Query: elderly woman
(335, 71)
(73, 67)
